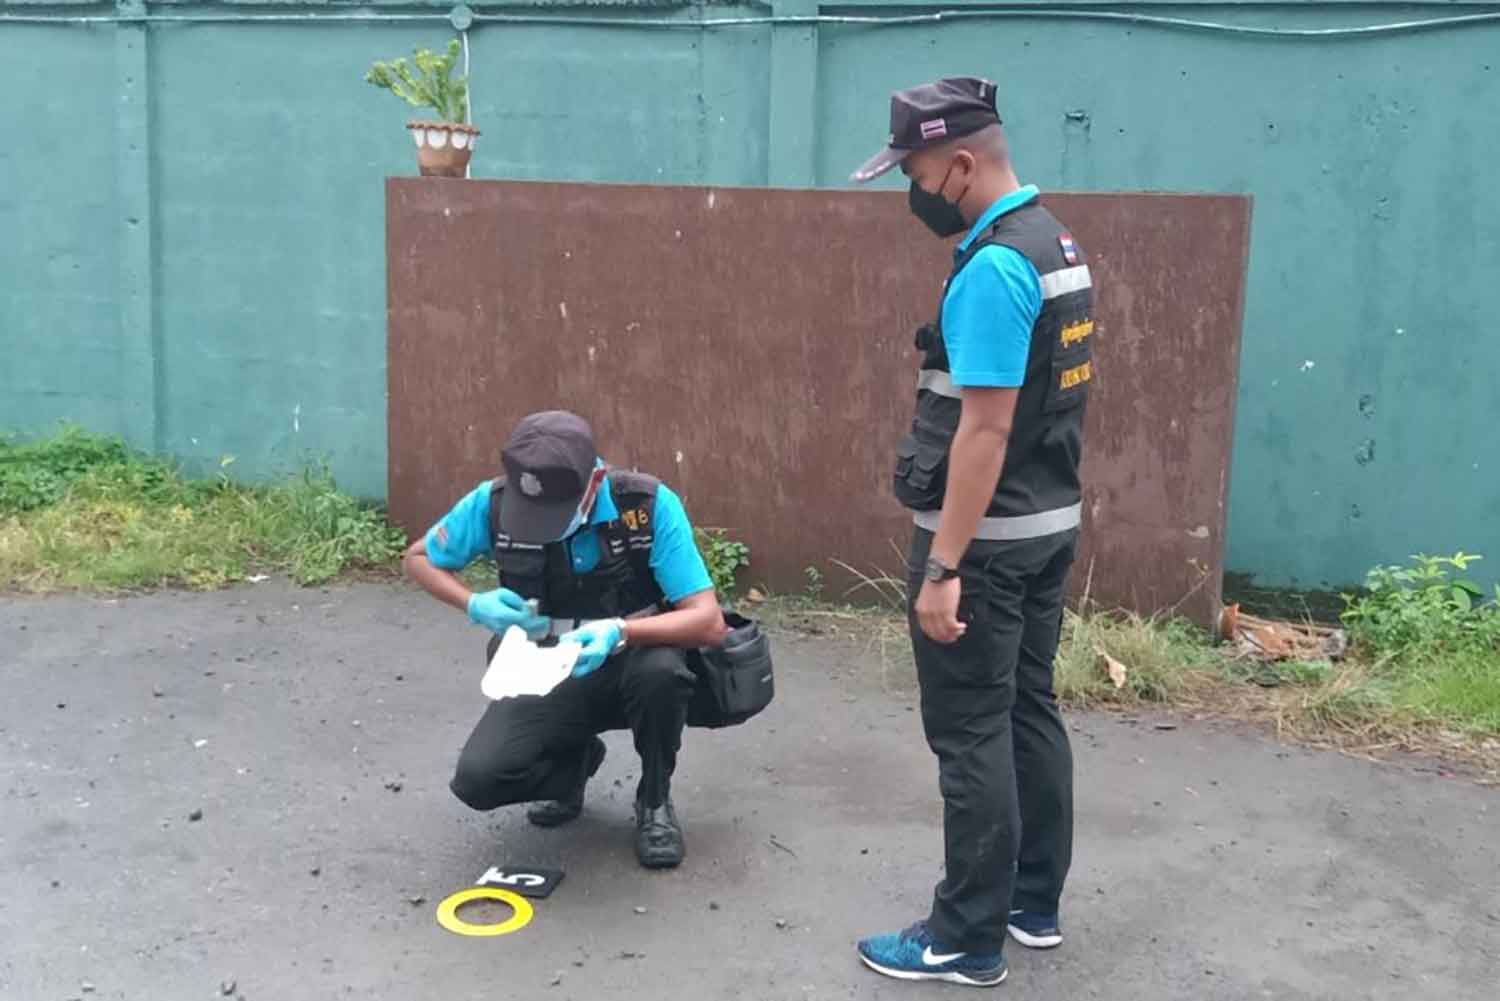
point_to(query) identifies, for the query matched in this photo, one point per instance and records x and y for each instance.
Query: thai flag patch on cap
(1069, 248)
(934, 128)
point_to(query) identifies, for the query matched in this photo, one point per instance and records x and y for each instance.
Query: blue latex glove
(598, 640)
(501, 608)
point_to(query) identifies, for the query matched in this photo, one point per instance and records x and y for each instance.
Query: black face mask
(936, 212)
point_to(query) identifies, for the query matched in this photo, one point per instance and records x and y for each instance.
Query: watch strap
(944, 571)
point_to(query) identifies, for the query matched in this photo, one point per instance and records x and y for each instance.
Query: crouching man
(608, 558)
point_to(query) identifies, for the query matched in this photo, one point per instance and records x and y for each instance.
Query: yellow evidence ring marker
(447, 911)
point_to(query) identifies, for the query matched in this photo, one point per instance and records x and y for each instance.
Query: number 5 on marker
(531, 882)
(495, 876)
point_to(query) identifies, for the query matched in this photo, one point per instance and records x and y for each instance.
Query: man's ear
(965, 160)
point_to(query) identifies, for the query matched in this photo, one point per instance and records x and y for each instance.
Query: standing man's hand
(502, 608)
(937, 610)
(975, 461)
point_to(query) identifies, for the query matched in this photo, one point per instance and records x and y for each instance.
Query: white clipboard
(520, 667)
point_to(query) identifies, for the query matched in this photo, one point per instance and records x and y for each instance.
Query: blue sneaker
(1035, 931)
(914, 955)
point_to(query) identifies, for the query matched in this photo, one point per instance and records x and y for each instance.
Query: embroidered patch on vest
(1075, 332)
(1075, 376)
(1069, 248)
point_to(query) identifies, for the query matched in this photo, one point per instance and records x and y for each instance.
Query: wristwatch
(938, 571)
(620, 645)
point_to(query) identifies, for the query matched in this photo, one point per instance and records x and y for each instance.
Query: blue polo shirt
(991, 306)
(463, 535)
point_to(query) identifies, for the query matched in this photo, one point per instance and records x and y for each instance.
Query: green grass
(1165, 660)
(1172, 662)
(1425, 655)
(82, 511)
(1429, 642)
(723, 556)
(1443, 681)
(1459, 690)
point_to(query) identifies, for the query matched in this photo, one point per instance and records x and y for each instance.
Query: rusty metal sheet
(753, 348)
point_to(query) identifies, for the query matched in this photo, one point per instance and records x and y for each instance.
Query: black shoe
(658, 837)
(555, 812)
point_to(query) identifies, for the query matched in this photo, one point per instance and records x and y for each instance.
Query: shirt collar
(604, 505)
(1009, 203)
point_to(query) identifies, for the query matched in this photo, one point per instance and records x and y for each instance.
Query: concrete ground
(315, 730)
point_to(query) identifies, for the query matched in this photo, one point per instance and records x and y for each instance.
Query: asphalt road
(315, 731)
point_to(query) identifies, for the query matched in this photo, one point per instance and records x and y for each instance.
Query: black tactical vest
(620, 585)
(1046, 439)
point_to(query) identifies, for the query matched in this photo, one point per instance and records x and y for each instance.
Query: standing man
(609, 559)
(990, 471)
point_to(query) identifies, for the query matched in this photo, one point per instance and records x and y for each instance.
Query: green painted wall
(60, 353)
(191, 216)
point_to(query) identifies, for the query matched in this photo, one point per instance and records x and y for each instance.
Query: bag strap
(497, 488)
(634, 526)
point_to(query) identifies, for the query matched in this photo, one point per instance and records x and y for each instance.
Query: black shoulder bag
(735, 680)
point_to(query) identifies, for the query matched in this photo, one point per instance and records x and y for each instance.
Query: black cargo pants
(536, 747)
(1005, 767)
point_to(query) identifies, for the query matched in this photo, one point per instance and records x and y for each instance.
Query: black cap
(548, 461)
(930, 115)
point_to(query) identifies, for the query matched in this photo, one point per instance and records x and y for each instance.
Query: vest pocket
(1072, 373)
(921, 474)
(523, 571)
(906, 456)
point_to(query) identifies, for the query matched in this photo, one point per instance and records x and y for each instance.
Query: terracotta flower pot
(443, 148)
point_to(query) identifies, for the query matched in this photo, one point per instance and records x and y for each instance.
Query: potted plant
(445, 145)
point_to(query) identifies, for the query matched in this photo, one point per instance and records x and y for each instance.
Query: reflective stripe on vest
(937, 381)
(1059, 283)
(1054, 284)
(1025, 526)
